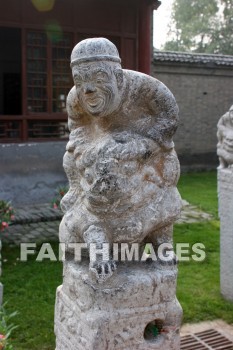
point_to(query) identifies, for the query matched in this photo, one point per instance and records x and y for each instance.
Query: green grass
(30, 287)
(198, 282)
(200, 189)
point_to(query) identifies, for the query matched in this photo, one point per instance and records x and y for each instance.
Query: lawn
(200, 189)
(198, 282)
(30, 287)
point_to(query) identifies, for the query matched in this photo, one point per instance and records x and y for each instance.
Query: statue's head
(98, 76)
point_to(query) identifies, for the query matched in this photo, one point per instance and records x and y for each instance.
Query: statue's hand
(102, 269)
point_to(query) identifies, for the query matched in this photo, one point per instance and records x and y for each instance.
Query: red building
(36, 38)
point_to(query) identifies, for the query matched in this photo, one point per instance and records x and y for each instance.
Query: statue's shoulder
(140, 78)
(140, 81)
(143, 87)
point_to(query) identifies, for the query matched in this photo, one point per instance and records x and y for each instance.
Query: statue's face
(97, 88)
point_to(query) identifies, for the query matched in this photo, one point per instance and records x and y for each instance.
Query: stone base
(120, 314)
(225, 196)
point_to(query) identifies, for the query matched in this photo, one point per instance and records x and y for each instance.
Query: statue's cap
(94, 49)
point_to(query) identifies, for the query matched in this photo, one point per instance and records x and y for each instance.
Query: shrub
(6, 215)
(6, 328)
(60, 192)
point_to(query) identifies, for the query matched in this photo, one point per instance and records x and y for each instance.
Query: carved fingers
(103, 269)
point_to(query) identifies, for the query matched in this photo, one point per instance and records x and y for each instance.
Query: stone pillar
(119, 285)
(225, 196)
(119, 314)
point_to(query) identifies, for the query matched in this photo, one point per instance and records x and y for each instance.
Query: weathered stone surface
(115, 315)
(225, 196)
(120, 160)
(122, 171)
(225, 139)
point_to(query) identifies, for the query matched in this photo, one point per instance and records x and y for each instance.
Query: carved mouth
(93, 102)
(95, 105)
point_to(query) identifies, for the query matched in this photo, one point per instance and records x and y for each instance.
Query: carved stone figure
(225, 139)
(122, 171)
(120, 160)
(225, 201)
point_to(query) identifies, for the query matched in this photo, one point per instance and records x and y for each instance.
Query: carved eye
(77, 81)
(78, 85)
(101, 77)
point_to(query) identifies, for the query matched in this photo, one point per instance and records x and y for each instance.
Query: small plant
(153, 329)
(60, 192)
(6, 328)
(6, 215)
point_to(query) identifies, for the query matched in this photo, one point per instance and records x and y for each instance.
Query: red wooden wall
(117, 20)
(127, 23)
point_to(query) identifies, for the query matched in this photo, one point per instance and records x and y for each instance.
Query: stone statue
(225, 139)
(225, 201)
(120, 160)
(122, 171)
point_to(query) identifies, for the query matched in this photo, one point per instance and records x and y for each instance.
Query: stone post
(225, 197)
(119, 285)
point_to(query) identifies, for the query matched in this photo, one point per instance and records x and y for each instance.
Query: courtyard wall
(203, 87)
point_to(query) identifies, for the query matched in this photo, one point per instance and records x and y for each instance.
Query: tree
(201, 26)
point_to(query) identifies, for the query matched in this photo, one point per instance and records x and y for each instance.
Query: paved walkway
(40, 223)
(191, 214)
(36, 223)
(219, 325)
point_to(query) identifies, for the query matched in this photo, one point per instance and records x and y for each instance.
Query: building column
(146, 8)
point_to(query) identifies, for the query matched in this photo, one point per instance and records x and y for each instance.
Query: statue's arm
(76, 122)
(74, 147)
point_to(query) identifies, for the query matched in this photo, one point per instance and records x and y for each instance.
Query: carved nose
(89, 89)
